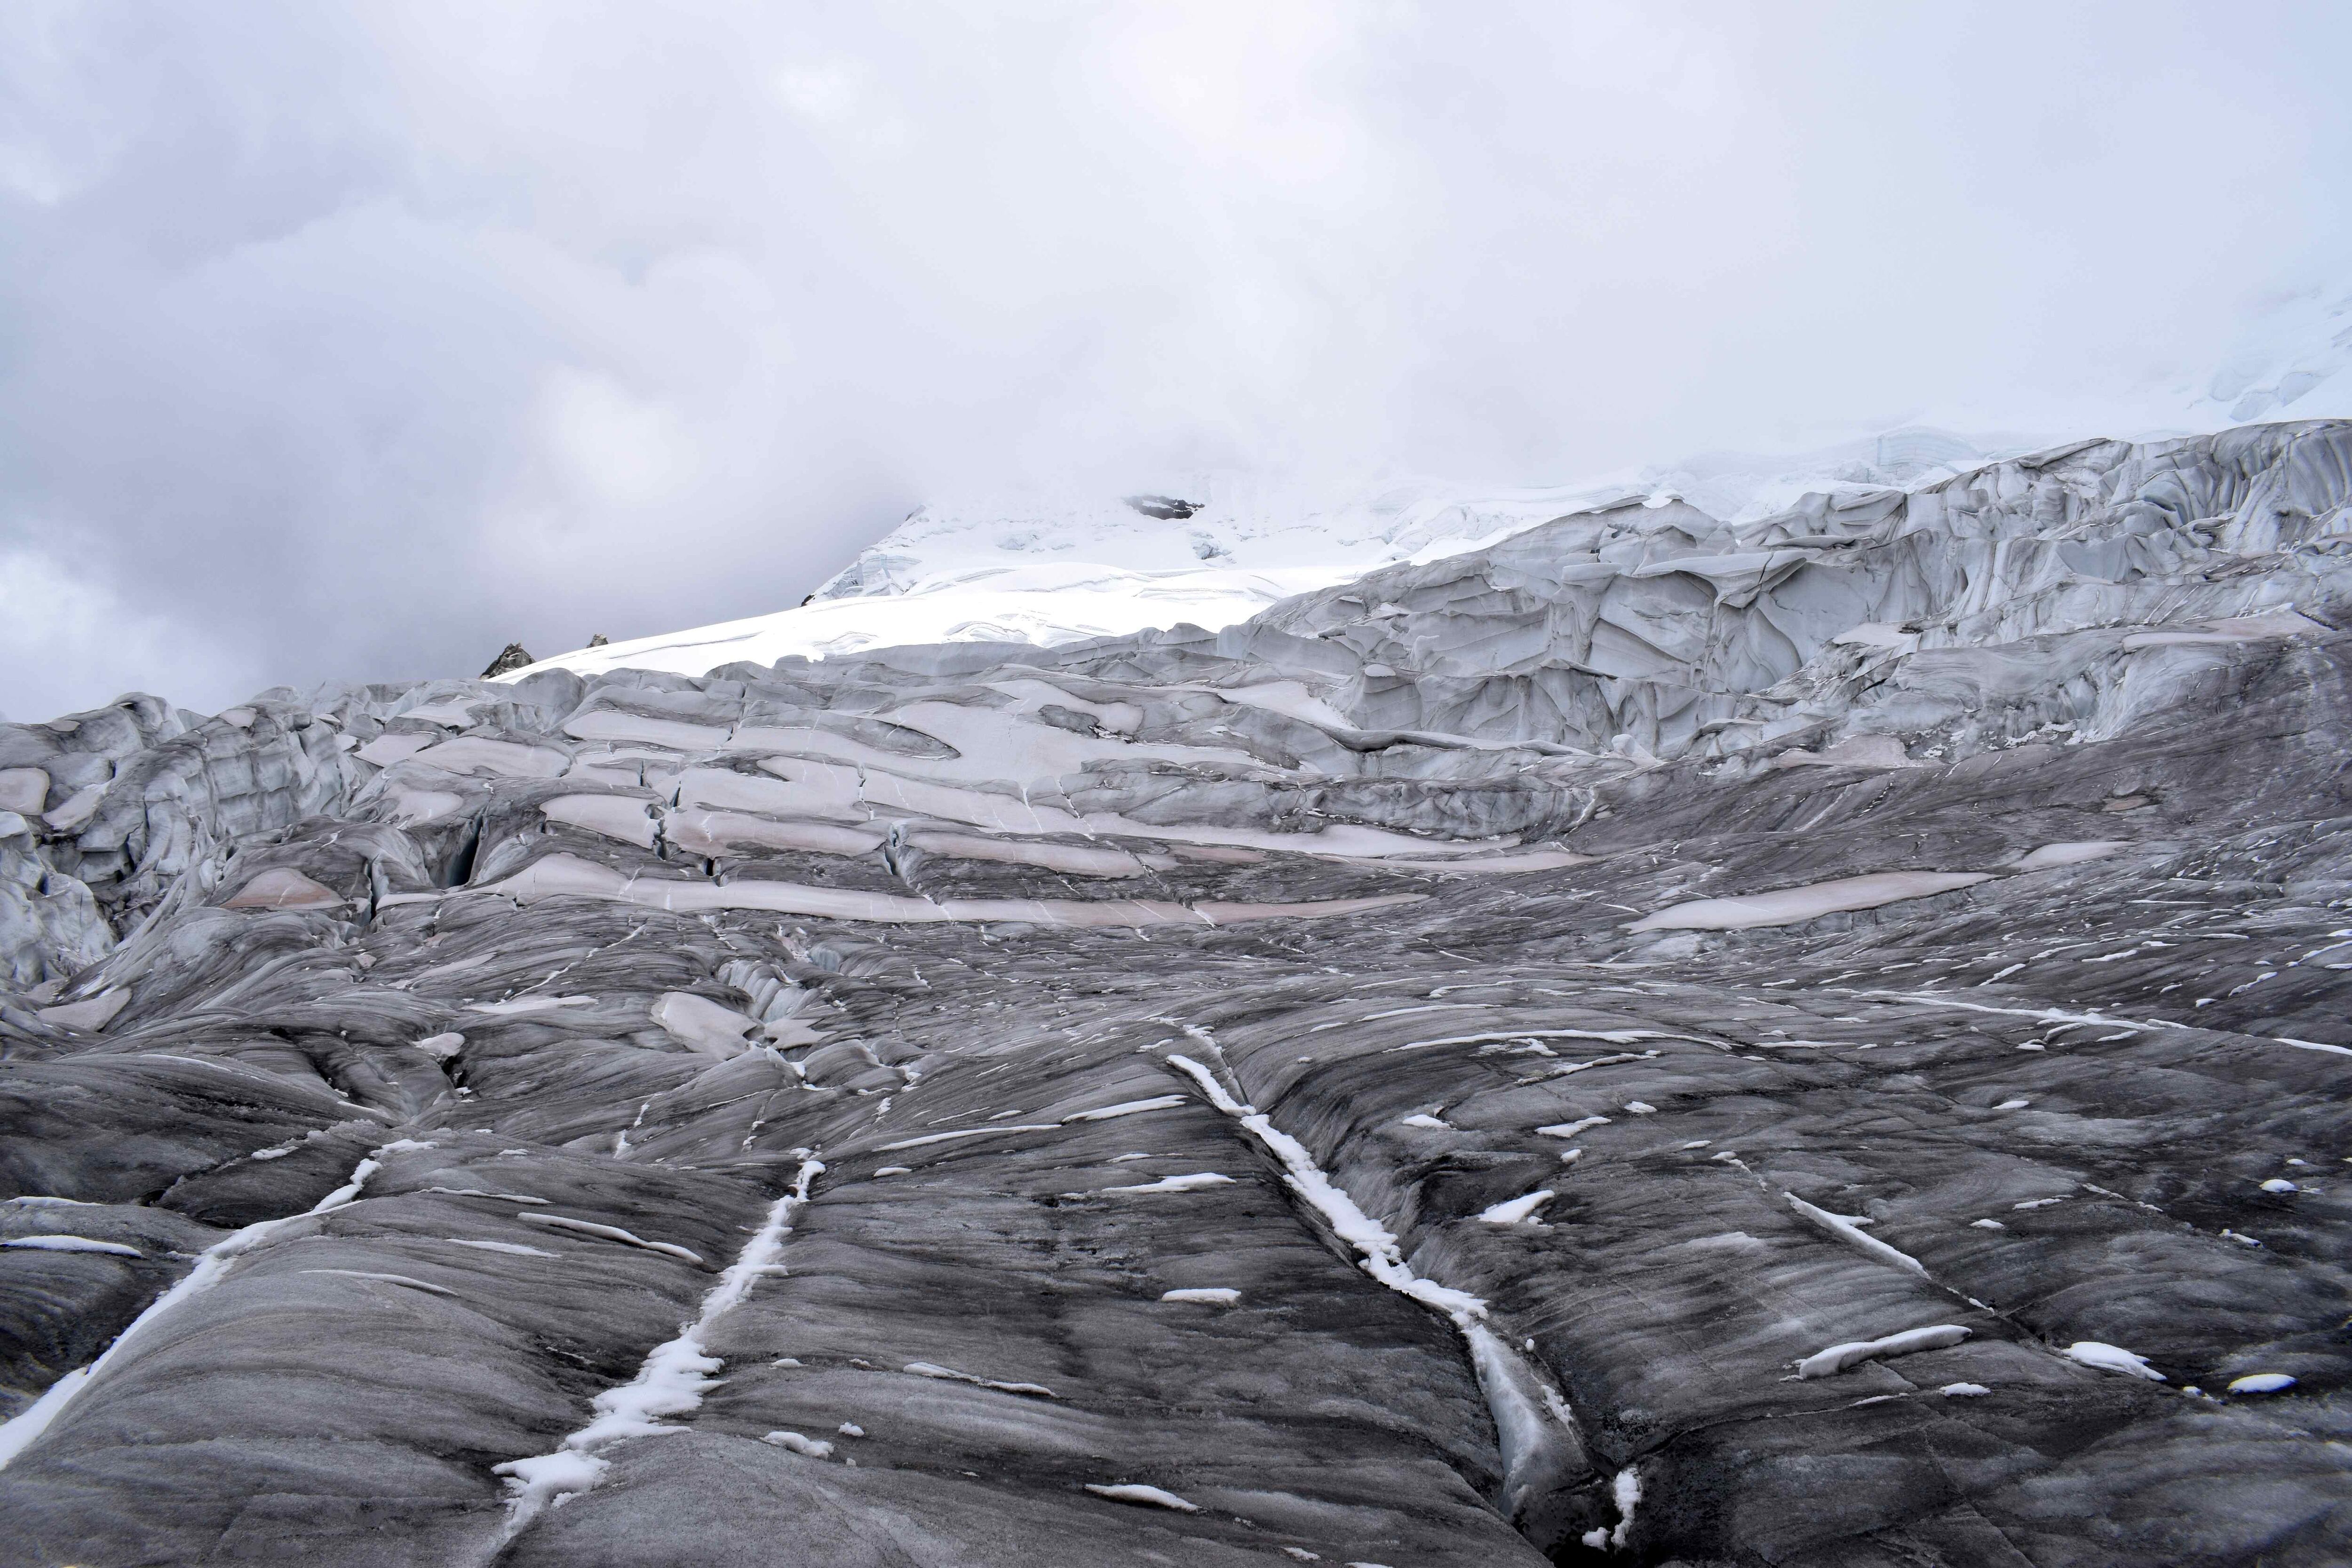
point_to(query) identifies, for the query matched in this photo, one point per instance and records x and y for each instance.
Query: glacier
(1752, 1014)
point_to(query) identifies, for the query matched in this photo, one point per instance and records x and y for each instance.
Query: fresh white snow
(1127, 1108)
(1376, 1247)
(1517, 1210)
(1191, 1183)
(1503, 1378)
(2111, 1358)
(410, 1281)
(483, 1193)
(1571, 1128)
(2261, 1383)
(22, 1429)
(1845, 1230)
(950, 1374)
(962, 1133)
(612, 1233)
(671, 1381)
(1053, 566)
(1625, 1491)
(1838, 1358)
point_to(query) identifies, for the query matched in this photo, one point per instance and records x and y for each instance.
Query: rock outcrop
(1811, 1041)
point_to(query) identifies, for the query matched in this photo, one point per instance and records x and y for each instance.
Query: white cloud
(388, 334)
(614, 450)
(828, 92)
(75, 643)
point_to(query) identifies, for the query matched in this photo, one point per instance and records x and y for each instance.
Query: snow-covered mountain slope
(2293, 361)
(1661, 1038)
(1051, 569)
(1212, 550)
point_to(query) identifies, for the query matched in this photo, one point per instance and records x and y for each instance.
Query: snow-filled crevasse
(1541, 1458)
(671, 1380)
(23, 1429)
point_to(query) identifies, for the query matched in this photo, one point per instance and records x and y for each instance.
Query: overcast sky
(350, 341)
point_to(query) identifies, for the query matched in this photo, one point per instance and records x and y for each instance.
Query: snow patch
(1515, 1210)
(413, 1284)
(1191, 1183)
(2261, 1383)
(929, 1138)
(1502, 1377)
(1625, 1491)
(1376, 1247)
(1128, 1108)
(24, 1428)
(671, 1381)
(1837, 1358)
(950, 1374)
(612, 1233)
(2111, 1358)
(1845, 1230)
(1571, 1128)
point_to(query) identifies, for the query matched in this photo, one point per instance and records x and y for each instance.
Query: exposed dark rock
(1167, 509)
(513, 657)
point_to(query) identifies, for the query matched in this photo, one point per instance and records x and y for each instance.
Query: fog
(353, 341)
